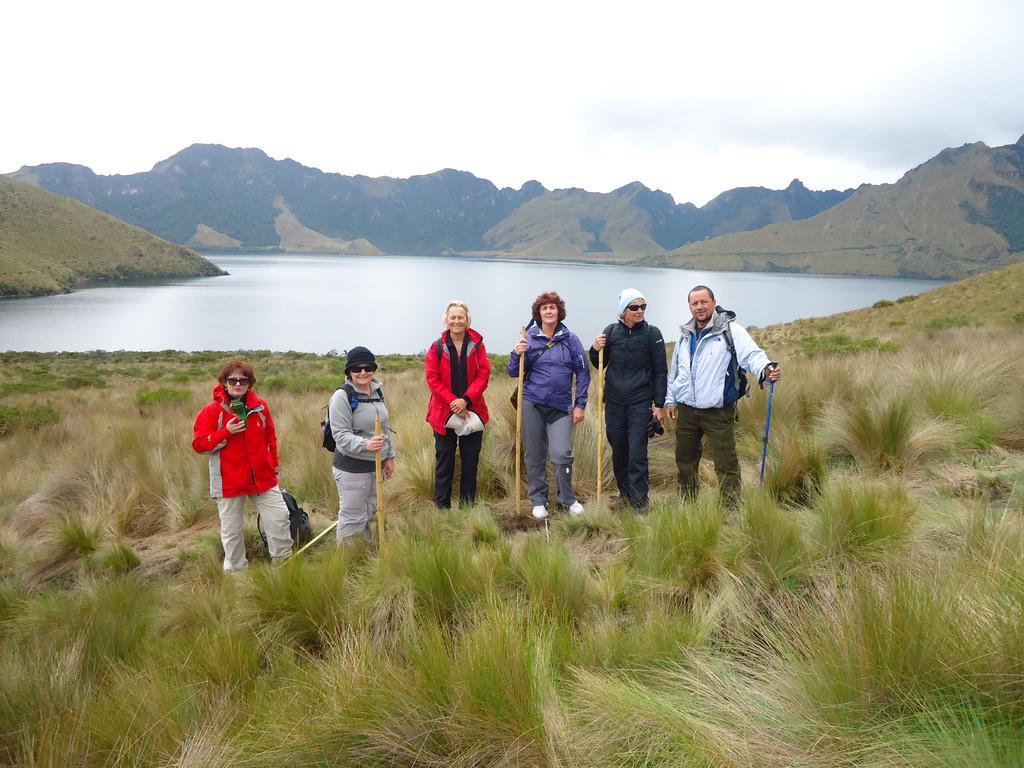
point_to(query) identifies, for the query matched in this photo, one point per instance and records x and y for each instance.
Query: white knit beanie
(627, 297)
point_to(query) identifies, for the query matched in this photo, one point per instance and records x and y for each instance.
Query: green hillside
(50, 244)
(958, 214)
(574, 222)
(994, 300)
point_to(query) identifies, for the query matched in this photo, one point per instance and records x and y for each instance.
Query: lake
(318, 303)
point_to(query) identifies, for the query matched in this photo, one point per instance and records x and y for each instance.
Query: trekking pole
(380, 485)
(519, 425)
(600, 420)
(316, 538)
(767, 426)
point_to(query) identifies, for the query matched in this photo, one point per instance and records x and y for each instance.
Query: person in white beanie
(636, 373)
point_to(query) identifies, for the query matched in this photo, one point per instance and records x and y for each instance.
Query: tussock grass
(864, 520)
(775, 543)
(796, 468)
(863, 608)
(305, 601)
(886, 433)
(678, 549)
(553, 580)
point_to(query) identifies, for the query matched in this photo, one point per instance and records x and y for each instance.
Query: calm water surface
(316, 303)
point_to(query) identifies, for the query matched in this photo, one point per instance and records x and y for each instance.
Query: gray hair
(457, 303)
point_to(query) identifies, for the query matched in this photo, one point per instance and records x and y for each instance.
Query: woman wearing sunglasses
(352, 411)
(237, 432)
(636, 375)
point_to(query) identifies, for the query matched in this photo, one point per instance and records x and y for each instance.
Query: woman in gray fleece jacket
(352, 412)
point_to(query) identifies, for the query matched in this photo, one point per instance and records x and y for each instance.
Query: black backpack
(298, 522)
(354, 399)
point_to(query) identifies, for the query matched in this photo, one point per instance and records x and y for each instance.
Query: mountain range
(959, 213)
(215, 198)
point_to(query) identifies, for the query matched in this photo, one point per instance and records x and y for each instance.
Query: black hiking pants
(444, 470)
(626, 427)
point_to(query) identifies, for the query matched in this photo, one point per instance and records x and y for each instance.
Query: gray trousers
(547, 441)
(357, 506)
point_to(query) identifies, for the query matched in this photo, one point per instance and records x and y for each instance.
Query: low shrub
(161, 396)
(882, 303)
(841, 344)
(28, 417)
(941, 323)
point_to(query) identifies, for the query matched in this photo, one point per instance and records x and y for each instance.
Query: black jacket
(636, 370)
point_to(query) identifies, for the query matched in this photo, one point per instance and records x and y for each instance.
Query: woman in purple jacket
(553, 355)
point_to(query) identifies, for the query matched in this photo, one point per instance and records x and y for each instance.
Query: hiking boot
(576, 509)
(540, 512)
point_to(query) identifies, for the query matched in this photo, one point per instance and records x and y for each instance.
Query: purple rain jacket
(549, 375)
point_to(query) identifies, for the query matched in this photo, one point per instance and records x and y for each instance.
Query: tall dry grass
(864, 608)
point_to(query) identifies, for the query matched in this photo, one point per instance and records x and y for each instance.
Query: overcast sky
(684, 97)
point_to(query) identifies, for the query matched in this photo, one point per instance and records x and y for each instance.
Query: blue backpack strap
(356, 397)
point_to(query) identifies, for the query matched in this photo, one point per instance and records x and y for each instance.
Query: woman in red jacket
(457, 372)
(238, 434)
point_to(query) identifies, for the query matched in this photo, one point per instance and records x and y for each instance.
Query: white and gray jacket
(353, 430)
(703, 381)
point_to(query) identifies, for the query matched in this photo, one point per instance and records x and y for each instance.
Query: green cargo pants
(719, 424)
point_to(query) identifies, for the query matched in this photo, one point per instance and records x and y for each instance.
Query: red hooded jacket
(438, 372)
(240, 464)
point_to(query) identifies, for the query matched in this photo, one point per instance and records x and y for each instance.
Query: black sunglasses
(636, 307)
(237, 380)
(362, 369)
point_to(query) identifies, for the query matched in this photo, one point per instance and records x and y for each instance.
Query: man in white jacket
(703, 388)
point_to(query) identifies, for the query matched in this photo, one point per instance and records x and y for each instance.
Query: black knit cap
(359, 356)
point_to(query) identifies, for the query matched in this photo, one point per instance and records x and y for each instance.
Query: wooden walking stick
(600, 420)
(315, 539)
(519, 426)
(380, 485)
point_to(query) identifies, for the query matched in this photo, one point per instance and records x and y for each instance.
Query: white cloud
(686, 97)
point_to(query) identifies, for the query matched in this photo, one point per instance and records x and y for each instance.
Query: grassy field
(864, 608)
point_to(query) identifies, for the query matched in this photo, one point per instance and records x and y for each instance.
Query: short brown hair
(236, 363)
(548, 297)
(711, 294)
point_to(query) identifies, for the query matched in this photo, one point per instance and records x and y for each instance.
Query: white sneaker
(540, 512)
(576, 509)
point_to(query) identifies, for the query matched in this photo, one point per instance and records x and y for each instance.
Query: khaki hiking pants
(719, 425)
(273, 514)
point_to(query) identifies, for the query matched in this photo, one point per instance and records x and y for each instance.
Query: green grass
(862, 608)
